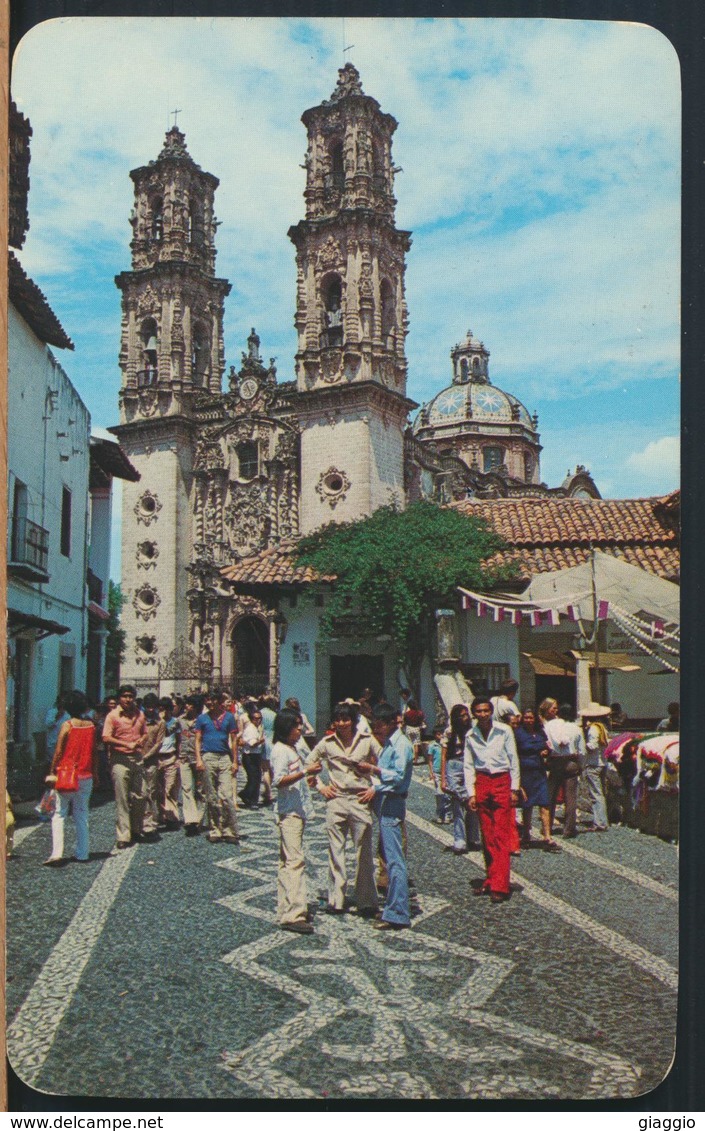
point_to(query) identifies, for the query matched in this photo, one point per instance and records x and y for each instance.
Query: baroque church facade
(226, 473)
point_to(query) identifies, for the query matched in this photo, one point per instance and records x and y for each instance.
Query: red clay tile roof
(543, 535)
(548, 534)
(274, 566)
(29, 301)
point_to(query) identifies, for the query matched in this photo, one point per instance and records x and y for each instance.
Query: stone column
(447, 648)
(274, 653)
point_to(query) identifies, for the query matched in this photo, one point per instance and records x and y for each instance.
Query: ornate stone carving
(333, 486)
(287, 445)
(148, 400)
(208, 455)
(147, 508)
(246, 518)
(331, 365)
(329, 255)
(145, 601)
(146, 649)
(146, 555)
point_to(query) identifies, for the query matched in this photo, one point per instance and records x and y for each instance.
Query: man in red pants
(491, 769)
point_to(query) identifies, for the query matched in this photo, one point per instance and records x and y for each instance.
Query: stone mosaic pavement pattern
(161, 972)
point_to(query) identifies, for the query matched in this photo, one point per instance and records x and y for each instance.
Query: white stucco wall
(297, 677)
(484, 642)
(642, 694)
(48, 449)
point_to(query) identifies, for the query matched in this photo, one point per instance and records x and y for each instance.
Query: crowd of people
(173, 763)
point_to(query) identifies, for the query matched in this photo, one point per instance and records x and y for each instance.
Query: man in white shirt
(491, 771)
(504, 704)
(341, 753)
(566, 755)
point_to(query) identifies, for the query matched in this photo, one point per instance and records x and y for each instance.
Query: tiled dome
(481, 403)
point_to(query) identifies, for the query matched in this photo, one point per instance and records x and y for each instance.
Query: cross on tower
(176, 114)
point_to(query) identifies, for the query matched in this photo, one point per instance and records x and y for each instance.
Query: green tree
(115, 640)
(395, 568)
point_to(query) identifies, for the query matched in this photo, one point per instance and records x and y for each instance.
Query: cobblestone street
(161, 972)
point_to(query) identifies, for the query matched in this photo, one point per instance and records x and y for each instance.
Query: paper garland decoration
(514, 611)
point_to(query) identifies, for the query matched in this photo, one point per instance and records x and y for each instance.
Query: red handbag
(67, 776)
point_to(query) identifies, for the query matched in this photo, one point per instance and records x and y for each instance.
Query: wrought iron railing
(30, 544)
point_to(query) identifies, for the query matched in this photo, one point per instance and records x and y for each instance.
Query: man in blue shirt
(216, 752)
(394, 768)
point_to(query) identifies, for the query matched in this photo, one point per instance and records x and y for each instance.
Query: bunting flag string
(513, 611)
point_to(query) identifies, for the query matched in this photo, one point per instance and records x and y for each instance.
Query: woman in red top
(76, 742)
(414, 722)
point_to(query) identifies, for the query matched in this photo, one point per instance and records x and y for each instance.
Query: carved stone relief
(333, 486)
(147, 508)
(146, 555)
(145, 601)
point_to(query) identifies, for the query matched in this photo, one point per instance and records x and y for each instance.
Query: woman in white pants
(76, 743)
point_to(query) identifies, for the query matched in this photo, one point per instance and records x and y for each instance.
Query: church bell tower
(351, 313)
(171, 354)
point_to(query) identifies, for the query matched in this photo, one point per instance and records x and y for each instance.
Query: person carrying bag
(73, 768)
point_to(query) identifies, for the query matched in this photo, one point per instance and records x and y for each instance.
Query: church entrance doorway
(251, 656)
(349, 674)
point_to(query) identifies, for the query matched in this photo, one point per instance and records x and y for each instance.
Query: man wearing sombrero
(594, 717)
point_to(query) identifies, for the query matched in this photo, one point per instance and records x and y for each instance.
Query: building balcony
(29, 554)
(146, 378)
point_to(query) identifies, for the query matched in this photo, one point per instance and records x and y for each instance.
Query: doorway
(349, 674)
(562, 688)
(251, 656)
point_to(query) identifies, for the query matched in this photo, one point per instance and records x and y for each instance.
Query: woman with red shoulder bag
(73, 768)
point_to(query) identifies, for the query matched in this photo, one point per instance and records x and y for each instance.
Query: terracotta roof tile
(274, 566)
(543, 534)
(27, 298)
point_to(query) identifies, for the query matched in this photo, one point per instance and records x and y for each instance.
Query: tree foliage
(395, 568)
(115, 640)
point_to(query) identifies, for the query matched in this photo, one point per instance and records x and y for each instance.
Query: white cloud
(660, 458)
(541, 183)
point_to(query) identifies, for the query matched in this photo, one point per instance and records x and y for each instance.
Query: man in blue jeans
(394, 767)
(216, 753)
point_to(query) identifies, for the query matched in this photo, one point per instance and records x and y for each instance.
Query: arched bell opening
(332, 296)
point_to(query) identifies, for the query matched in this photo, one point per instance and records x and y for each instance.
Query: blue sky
(541, 182)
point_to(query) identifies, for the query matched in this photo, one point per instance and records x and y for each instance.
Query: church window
(337, 166)
(194, 225)
(66, 522)
(145, 602)
(492, 457)
(157, 208)
(147, 508)
(388, 311)
(464, 369)
(248, 459)
(332, 289)
(528, 466)
(199, 354)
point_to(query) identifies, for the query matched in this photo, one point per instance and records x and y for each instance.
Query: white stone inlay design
(611, 940)
(613, 866)
(398, 985)
(32, 1033)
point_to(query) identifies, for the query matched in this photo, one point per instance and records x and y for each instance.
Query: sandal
(551, 846)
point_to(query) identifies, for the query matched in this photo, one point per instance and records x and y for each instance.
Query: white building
(59, 506)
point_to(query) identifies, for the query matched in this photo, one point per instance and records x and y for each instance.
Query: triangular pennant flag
(536, 618)
(497, 614)
(516, 616)
(603, 610)
(572, 612)
(481, 609)
(465, 602)
(658, 629)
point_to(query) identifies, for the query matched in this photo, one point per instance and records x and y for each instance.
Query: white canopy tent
(626, 587)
